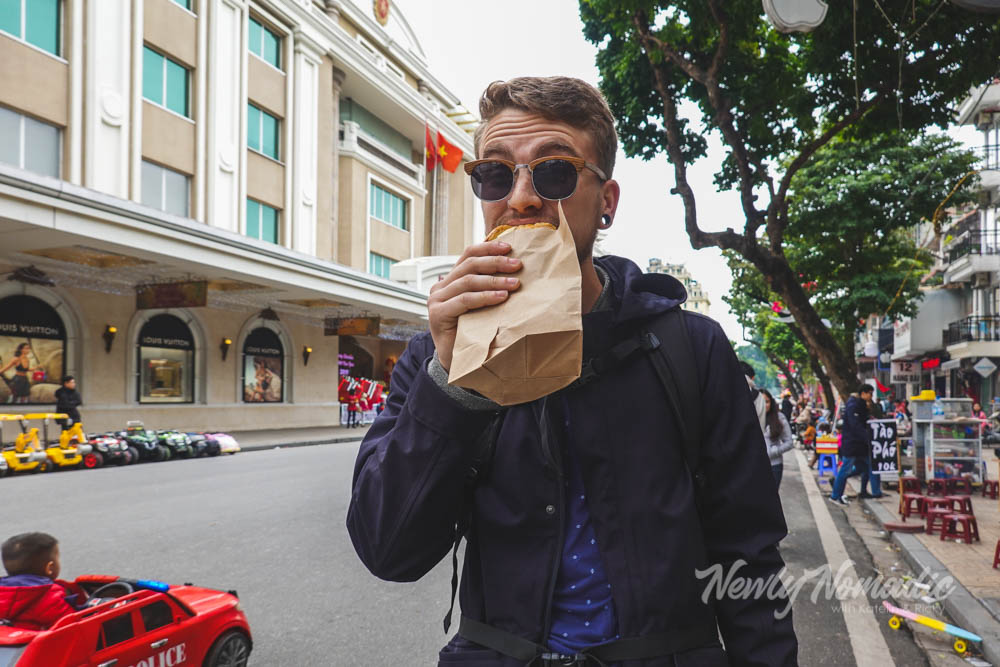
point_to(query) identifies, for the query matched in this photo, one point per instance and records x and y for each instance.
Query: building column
(338, 82)
(225, 115)
(304, 157)
(439, 228)
(108, 107)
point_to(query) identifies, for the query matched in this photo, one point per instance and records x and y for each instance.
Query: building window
(379, 264)
(264, 43)
(262, 221)
(37, 22)
(164, 81)
(377, 128)
(262, 131)
(29, 144)
(387, 207)
(165, 189)
(186, 4)
(166, 361)
(32, 350)
(263, 367)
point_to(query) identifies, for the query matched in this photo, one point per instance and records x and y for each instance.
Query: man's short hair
(67, 378)
(865, 389)
(560, 98)
(747, 369)
(27, 553)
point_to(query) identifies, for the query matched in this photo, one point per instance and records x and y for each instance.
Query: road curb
(303, 443)
(969, 613)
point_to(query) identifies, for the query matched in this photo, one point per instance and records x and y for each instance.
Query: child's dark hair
(27, 553)
(67, 378)
(824, 427)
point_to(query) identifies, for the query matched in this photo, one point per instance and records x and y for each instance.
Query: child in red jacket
(31, 596)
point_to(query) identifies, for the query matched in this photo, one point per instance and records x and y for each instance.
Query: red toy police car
(137, 624)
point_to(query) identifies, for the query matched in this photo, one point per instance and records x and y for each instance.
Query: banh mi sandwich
(497, 231)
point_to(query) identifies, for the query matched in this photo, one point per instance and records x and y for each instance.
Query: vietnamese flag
(430, 150)
(449, 154)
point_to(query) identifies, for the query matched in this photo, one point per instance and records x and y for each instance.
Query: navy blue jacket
(856, 435)
(412, 466)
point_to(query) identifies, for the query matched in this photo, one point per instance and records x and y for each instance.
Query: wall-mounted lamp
(109, 337)
(306, 351)
(224, 346)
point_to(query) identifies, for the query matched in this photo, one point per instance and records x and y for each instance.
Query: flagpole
(435, 232)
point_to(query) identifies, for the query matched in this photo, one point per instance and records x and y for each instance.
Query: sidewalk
(297, 437)
(975, 603)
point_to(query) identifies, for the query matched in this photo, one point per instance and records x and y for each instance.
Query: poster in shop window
(263, 367)
(32, 350)
(884, 444)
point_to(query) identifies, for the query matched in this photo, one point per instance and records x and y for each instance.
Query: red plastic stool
(909, 485)
(937, 504)
(960, 504)
(936, 487)
(912, 503)
(991, 489)
(969, 532)
(996, 556)
(935, 519)
(956, 486)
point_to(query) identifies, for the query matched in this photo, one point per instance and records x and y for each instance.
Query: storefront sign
(985, 367)
(32, 350)
(263, 367)
(166, 331)
(930, 364)
(351, 326)
(902, 372)
(884, 460)
(192, 294)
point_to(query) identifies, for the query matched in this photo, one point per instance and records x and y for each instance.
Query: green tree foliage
(775, 100)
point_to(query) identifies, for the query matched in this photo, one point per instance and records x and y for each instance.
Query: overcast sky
(470, 43)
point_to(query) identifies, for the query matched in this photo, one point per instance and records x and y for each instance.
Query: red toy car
(137, 624)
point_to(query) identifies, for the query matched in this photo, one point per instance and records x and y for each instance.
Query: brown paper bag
(531, 344)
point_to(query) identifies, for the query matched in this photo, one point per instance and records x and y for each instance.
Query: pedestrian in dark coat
(584, 527)
(68, 401)
(856, 443)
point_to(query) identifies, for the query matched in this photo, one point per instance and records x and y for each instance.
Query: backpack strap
(485, 446)
(673, 360)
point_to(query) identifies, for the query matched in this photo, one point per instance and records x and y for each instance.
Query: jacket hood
(17, 598)
(640, 295)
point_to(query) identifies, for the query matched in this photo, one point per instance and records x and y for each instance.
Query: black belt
(630, 648)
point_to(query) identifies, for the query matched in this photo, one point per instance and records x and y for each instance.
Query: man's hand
(476, 281)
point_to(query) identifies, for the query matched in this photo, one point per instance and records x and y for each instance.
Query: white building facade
(201, 202)
(697, 300)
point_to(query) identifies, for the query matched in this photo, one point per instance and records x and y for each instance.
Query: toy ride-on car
(66, 452)
(227, 443)
(19, 453)
(178, 443)
(130, 623)
(146, 444)
(108, 449)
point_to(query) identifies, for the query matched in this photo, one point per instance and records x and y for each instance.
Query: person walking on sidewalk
(585, 522)
(68, 402)
(755, 395)
(777, 435)
(855, 445)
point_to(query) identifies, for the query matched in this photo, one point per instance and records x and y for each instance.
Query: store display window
(166, 361)
(263, 367)
(32, 350)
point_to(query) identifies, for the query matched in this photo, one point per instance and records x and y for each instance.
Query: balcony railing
(990, 156)
(973, 329)
(975, 242)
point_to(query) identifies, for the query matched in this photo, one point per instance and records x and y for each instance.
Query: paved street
(271, 525)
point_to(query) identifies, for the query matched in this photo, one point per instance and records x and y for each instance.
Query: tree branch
(777, 218)
(699, 238)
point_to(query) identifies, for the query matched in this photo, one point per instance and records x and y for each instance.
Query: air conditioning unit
(981, 280)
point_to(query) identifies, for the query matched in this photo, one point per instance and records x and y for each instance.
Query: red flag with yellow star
(430, 150)
(449, 154)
